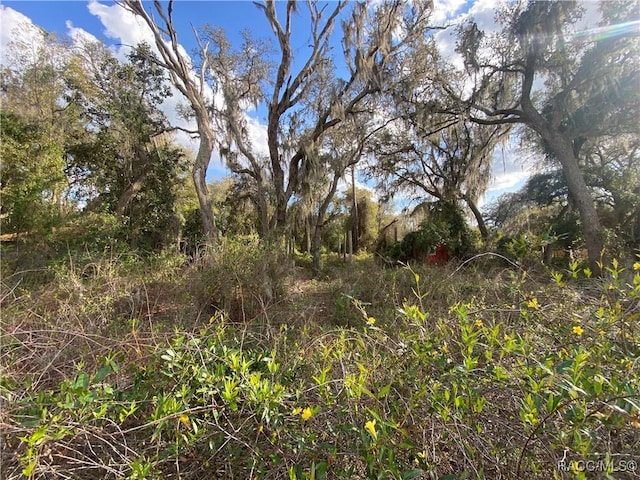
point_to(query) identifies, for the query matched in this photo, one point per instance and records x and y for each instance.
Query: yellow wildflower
(578, 330)
(371, 321)
(636, 266)
(370, 427)
(184, 419)
(533, 303)
(307, 413)
(444, 349)
(479, 323)
(296, 411)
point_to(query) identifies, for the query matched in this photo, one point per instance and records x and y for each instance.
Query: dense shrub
(240, 276)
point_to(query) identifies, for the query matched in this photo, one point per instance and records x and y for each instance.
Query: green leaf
(82, 381)
(102, 374)
(384, 391)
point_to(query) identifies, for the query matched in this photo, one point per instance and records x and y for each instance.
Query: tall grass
(240, 365)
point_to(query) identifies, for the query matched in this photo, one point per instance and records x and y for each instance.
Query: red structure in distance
(441, 257)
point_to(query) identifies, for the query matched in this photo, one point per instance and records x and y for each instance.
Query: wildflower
(184, 419)
(371, 321)
(636, 266)
(444, 349)
(307, 413)
(533, 304)
(370, 427)
(479, 323)
(296, 411)
(578, 330)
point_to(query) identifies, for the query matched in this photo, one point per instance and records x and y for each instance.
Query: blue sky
(53, 15)
(111, 25)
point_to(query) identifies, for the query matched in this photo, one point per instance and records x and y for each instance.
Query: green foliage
(31, 174)
(81, 130)
(443, 223)
(428, 380)
(367, 228)
(126, 157)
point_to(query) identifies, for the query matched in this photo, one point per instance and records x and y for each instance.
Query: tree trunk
(482, 226)
(356, 220)
(316, 244)
(316, 248)
(307, 233)
(260, 202)
(200, 183)
(125, 198)
(592, 229)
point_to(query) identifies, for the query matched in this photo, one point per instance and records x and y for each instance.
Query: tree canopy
(388, 108)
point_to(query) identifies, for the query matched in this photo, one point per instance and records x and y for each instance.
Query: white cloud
(345, 185)
(78, 35)
(445, 10)
(122, 25)
(129, 31)
(258, 134)
(510, 169)
(19, 30)
(483, 13)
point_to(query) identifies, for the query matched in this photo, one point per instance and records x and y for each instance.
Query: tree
(195, 86)
(341, 150)
(540, 212)
(543, 206)
(129, 156)
(452, 165)
(612, 169)
(305, 103)
(367, 217)
(590, 87)
(30, 177)
(37, 126)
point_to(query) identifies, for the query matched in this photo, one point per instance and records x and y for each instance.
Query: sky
(110, 24)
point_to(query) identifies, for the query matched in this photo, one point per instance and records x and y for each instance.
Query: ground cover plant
(121, 368)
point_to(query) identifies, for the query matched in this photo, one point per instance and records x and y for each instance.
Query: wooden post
(344, 250)
(350, 244)
(308, 233)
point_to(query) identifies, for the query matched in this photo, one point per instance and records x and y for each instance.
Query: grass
(240, 365)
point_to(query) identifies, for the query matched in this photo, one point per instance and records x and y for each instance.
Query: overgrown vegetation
(286, 322)
(126, 367)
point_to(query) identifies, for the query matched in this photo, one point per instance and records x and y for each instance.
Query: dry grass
(61, 323)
